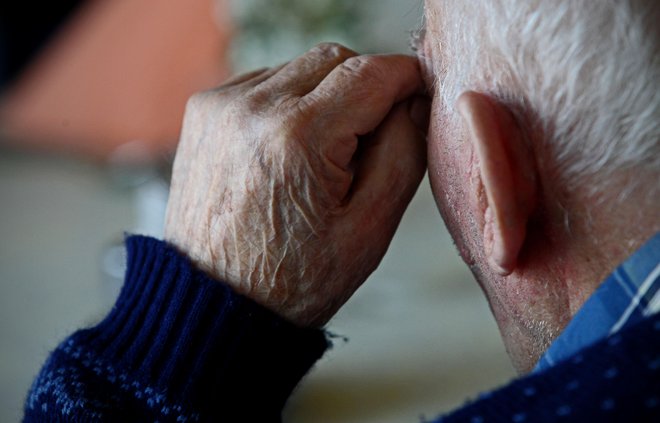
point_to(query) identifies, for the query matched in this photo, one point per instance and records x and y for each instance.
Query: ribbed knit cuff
(184, 341)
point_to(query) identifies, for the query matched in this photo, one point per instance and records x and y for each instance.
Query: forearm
(177, 345)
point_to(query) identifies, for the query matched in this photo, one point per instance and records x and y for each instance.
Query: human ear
(508, 175)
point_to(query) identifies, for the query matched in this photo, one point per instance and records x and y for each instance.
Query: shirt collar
(630, 294)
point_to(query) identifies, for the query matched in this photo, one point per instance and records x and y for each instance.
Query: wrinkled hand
(289, 183)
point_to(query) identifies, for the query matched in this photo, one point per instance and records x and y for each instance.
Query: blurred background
(92, 95)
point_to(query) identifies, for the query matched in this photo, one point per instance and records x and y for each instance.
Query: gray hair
(585, 74)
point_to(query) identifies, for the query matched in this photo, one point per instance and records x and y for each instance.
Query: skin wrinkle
(265, 210)
(274, 216)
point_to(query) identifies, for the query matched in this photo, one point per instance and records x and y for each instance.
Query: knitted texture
(614, 380)
(177, 346)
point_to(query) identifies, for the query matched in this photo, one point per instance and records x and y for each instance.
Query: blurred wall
(116, 72)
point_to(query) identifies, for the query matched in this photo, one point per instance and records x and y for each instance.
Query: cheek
(448, 166)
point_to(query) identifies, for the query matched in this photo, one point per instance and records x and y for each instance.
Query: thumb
(390, 168)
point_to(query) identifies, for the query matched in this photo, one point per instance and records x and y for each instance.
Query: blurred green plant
(307, 17)
(271, 31)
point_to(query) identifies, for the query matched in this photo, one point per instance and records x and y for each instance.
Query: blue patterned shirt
(630, 294)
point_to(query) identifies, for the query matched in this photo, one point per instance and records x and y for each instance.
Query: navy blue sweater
(179, 346)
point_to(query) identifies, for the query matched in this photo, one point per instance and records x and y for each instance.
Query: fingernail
(419, 111)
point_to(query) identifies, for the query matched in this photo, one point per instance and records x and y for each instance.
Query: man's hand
(289, 183)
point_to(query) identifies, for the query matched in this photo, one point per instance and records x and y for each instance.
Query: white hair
(584, 74)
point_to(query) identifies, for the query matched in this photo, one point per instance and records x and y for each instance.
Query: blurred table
(57, 219)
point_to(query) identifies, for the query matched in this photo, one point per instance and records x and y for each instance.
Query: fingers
(390, 170)
(303, 74)
(360, 92)
(237, 79)
(253, 78)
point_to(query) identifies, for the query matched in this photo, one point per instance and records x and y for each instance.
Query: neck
(568, 253)
(597, 236)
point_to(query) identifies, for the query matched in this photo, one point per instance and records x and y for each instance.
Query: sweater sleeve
(177, 346)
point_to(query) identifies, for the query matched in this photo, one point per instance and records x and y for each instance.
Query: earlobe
(508, 175)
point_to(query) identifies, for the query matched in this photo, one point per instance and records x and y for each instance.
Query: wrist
(246, 280)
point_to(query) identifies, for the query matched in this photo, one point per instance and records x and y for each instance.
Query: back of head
(579, 85)
(582, 77)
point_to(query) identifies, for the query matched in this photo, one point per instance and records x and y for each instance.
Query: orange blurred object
(120, 71)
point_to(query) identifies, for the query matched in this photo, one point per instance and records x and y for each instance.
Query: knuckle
(332, 50)
(361, 66)
(255, 102)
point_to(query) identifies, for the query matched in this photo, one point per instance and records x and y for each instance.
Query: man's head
(544, 149)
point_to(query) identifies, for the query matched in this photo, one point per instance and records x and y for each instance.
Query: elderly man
(543, 154)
